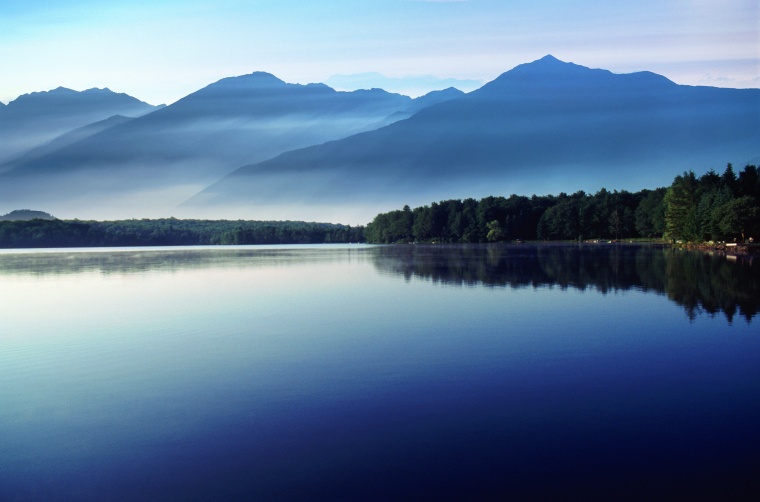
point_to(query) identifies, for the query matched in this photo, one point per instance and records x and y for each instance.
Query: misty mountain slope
(36, 118)
(176, 151)
(414, 106)
(542, 127)
(64, 140)
(426, 101)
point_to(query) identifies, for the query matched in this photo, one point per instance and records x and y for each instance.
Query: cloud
(411, 85)
(736, 80)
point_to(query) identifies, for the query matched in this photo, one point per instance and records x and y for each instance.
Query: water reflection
(700, 282)
(136, 260)
(319, 373)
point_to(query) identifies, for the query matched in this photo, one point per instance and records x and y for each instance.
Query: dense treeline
(711, 207)
(714, 207)
(607, 215)
(169, 232)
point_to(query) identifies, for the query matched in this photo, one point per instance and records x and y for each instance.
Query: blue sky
(160, 51)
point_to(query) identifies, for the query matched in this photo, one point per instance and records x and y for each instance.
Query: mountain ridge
(206, 134)
(33, 119)
(541, 122)
(544, 126)
(44, 98)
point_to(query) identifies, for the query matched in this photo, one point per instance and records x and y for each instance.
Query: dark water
(379, 373)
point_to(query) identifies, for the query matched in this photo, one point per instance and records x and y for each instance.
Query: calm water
(378, 373)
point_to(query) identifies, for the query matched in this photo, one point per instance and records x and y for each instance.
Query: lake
(379, 373)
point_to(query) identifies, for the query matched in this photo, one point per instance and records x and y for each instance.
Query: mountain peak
(258, 80)
(550, 64)
(553, 75)
(262, 75)
(549, 59)
(98, 90)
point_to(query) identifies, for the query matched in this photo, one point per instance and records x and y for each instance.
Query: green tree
(616, 224)
(495, 231)
(422, 228)
(734, 217)
(729, 178)
(706, 209)
(681, 208)
(562, 221)
(650, 214)
(749, 183)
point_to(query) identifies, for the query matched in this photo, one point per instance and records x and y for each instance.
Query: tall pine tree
(681, 208)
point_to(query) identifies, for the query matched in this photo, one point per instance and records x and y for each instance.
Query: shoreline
(729, 248)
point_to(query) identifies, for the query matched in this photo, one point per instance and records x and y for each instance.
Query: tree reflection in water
(698, 281)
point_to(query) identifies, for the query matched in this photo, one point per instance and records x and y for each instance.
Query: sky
(160, 51)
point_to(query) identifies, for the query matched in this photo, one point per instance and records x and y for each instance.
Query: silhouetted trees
(691, 209)
(714, 207)
(711, 207)
(170, 232)
(649, 217)
(606, 214)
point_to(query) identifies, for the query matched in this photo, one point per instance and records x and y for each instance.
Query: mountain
(413, 85)
(164, 157)
(542, 127)
(426, 101)
(36, 118)
(64, 140)
(26, 214)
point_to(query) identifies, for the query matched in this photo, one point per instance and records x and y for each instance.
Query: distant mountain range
(312, 153)
(34, 119)
(410, 85)
(543, 127)
(174, 152)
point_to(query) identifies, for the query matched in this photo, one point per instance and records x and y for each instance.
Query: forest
(712, 207)
(169, 232)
